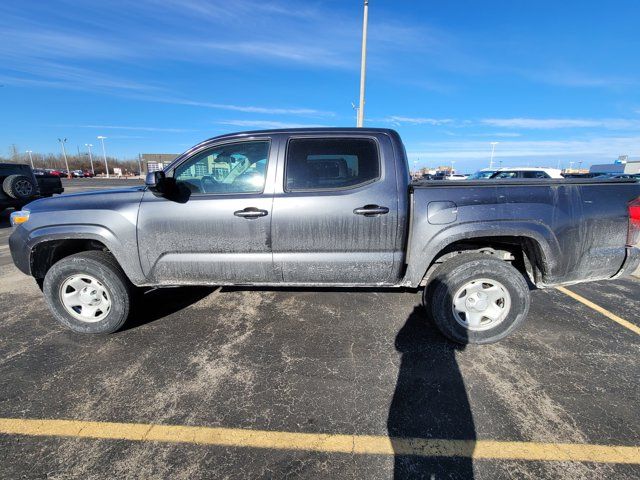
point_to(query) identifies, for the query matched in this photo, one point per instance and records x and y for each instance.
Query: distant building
(157, 161)
(623, 165)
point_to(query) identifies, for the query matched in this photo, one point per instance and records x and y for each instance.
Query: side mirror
(160, 183)
(153, 179)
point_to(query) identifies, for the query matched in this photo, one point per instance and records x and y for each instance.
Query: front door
(221, 231)
(335, 219)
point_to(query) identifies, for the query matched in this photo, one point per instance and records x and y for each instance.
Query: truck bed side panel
(579, 227)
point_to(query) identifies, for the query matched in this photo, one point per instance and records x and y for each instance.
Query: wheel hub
(85, 298)
(478, 302)
(481, 304)
(89, 296)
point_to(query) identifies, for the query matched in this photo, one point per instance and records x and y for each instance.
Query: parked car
(634, 176)
(482, 174)
(527, 173)
(268, 208)
(455, 176)
(579, 175)
(20, 185)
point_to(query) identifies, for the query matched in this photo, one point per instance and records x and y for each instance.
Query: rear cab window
(331, 163)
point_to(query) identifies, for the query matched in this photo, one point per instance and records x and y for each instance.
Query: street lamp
(493, 149)
(64, 154)
(104, 153)
(89, 145)
(30, 158)
(452, 162)
(363, 64)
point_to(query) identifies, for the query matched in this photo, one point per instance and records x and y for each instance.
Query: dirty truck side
(326, 207)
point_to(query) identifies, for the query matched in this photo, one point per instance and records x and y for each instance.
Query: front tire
(474, 298)
(88, 292)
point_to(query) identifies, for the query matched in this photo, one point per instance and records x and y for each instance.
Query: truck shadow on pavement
(159, 303)
(430, 402)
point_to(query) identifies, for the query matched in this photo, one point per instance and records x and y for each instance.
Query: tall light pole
(363, 64)
(30, 158)
(493, 149)
(452, 162)
(89, 145)
(64, 154)
(104, 154)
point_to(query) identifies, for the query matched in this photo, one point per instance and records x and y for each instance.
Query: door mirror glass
(152, 178)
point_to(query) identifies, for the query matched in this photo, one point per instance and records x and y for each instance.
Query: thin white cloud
(497, 135)
(266, 124)
(559, 123)
(142, 129)
(248, 108)
(400, 120)
(576, 79)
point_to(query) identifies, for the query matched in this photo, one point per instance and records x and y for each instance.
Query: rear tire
(19, 187)
(474, 298)
(88, 292)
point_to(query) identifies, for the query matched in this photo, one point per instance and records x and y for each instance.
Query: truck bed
(574, 230)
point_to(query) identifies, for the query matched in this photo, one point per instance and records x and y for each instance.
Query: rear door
(335, 210)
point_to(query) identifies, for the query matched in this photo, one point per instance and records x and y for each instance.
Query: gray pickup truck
(326, 208)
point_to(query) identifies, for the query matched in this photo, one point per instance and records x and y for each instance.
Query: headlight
(19, 217)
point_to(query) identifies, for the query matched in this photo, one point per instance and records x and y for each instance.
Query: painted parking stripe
(599, 309)
(320, 442)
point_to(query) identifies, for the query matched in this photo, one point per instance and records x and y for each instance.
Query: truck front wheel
(88, 292)
(474, 298)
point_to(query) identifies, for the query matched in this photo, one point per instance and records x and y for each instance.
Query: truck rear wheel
(474, 298)
(19, 187)
(88, 292)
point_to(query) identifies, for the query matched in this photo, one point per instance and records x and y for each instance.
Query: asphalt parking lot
(317, 384)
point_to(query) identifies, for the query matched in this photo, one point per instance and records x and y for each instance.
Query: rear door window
(506, 175)
(537, 174)
(331, 163)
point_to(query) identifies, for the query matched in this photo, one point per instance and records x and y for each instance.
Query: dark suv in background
(19, 185)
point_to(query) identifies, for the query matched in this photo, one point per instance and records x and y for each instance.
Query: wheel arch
(534, 248)
(48, 245)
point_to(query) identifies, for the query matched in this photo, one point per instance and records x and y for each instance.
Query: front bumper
(20, 250)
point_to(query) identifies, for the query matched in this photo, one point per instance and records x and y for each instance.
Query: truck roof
(307, 130)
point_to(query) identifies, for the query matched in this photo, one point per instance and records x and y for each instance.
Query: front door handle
(371, 210)
(250, 212)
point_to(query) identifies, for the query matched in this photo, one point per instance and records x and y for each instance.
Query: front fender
(123, 245)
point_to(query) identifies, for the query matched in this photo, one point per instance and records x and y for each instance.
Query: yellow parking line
(320, 442)
(599, 309)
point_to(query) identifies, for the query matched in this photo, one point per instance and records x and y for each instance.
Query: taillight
(633, 237)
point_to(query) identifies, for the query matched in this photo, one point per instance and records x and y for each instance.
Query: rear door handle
(250, 212)
(371, 210)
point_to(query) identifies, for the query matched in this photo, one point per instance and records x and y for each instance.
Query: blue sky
(551, 81)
